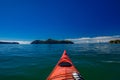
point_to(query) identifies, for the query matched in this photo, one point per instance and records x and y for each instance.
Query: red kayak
(65, 70)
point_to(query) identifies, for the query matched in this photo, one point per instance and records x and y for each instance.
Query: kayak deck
(65, 70)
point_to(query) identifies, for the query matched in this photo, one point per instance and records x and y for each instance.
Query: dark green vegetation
(9, 42)
(115, 41)
(51, 41)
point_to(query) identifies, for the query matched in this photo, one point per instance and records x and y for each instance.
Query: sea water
(35, 62)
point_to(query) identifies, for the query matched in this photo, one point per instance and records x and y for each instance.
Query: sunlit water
(35, 62)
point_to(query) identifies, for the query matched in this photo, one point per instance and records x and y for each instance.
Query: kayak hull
(64, 70)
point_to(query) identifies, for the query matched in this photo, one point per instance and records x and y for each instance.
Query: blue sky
(58, 19)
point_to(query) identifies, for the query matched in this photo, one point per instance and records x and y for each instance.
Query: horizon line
(97, 39)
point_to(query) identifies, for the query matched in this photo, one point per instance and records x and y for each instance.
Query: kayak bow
(65, 70)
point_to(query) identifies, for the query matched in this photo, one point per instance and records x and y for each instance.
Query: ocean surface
(35, 62)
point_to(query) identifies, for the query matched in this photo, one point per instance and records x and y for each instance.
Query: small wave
(111, 61)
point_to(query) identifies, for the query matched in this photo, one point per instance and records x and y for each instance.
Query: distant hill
(51, 41)
(114, 41)
(1, 42)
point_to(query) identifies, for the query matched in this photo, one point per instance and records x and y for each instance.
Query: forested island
(51, 41)
(114, 41)
(1, 42)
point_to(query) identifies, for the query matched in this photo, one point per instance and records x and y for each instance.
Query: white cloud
(24, 42)
(20, 42)
(99, 39)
